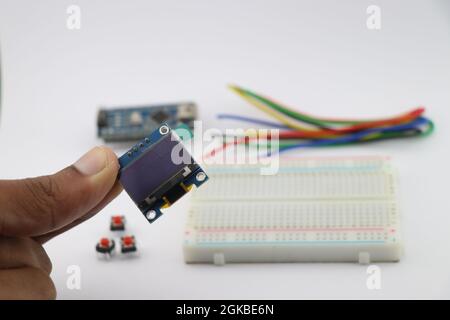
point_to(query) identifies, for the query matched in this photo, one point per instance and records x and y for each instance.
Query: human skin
(34, 210)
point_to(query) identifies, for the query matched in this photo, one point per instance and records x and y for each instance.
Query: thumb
(36, 206)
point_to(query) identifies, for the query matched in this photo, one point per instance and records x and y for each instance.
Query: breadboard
(312, 210)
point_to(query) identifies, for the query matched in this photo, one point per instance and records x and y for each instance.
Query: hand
(34, 210)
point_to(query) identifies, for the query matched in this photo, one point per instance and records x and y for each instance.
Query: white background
(318, 56)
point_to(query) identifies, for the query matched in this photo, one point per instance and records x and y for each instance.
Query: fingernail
(92, 162)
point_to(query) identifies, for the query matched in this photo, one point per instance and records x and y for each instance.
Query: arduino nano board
(134, 123)
(157, 171)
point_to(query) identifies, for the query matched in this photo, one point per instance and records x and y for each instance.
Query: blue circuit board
(133, 123)
(157, 171)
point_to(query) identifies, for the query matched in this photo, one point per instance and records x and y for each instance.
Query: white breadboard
(312, 210)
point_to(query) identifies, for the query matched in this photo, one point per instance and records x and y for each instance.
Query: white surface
(317, 55)
(312, 210)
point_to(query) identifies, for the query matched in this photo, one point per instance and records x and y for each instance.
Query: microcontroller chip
(158, 171)
(160, 116)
